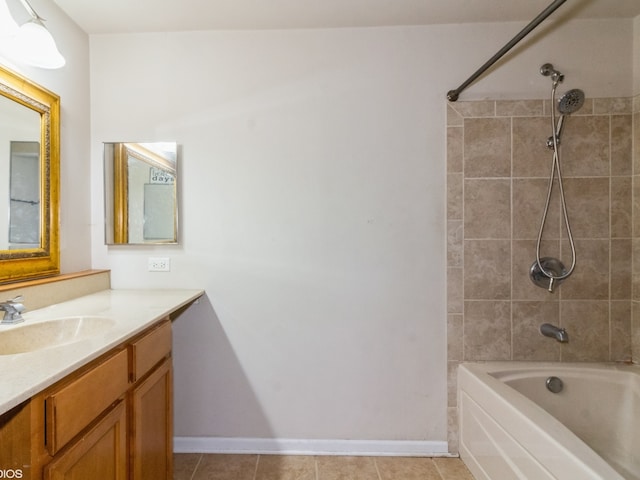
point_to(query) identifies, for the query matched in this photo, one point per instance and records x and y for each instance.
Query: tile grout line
(315, 464)
(435, 464)
(195, 469)
(375, 465)
(255, 471)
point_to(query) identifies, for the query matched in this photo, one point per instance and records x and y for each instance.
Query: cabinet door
(100, 453)
(152, 426)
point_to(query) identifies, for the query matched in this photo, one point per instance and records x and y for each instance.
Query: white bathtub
(513, 427)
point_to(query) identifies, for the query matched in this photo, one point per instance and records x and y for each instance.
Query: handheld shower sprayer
(548, 272)
(568, 103)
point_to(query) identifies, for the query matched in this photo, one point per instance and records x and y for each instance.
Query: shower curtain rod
(453, 95)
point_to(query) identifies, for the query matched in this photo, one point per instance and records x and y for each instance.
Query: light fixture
(32, 43)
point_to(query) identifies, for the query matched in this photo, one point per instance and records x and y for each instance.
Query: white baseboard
(280, 446)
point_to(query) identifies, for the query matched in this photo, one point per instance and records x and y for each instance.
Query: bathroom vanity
(97, 404)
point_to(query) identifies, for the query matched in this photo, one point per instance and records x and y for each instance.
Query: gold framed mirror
(141, 197)
(29, 179)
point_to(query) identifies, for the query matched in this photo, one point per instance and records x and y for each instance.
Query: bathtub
(513, 427)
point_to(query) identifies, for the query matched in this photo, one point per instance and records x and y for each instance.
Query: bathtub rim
(475, 379)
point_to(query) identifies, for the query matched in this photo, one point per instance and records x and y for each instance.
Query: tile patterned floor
(195, 466)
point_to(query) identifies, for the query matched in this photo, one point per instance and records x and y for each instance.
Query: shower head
(568, 103)
(571, 101)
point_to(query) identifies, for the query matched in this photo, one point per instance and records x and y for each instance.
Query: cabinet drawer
(150, 349)
(72, 407)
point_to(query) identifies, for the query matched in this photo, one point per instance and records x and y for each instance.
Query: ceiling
(128, 16)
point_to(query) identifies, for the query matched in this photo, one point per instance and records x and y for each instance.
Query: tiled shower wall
(498, 168)
(635, 325)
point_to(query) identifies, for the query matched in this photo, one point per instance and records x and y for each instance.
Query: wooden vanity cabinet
(110, 420)
(151, 406)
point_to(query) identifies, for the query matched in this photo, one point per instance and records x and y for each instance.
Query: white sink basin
(51, 333)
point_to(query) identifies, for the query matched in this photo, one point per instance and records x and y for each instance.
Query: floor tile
(346, 468)
(395, 468)
(226, 467)
(452, 469)
(184, 464)
(286, 467)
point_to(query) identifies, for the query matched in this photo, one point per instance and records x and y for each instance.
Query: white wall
(312, 210)
(71, 83)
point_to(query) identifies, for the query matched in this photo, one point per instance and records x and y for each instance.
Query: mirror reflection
(20, 187)
(140, 193)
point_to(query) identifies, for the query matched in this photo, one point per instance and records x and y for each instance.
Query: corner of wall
(636, 56)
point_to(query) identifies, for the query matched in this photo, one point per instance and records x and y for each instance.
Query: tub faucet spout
(560, 334)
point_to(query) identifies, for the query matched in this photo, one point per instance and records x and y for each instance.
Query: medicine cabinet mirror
(29, 179)
(141, 206)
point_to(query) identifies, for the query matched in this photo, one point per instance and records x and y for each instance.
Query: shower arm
(453, 95)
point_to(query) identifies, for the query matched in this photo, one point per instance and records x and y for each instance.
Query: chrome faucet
(560, 334)
(12, 310)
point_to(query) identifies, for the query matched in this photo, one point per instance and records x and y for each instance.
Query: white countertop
(22, 375)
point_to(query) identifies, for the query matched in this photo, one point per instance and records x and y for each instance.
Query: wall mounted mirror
(29, 179)
(141, 201)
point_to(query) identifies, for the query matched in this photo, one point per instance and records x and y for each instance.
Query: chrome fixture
(452, 95)
(539, 273)
(548, 272)
(12, 311)
(554, 384)
(560, 334)
(31, 43)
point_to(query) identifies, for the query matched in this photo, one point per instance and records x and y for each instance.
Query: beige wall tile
(487, 330)
(531, 157)
(474, 109)
(621, 212)
(590, 279)
(452, 429)
(454, 290)
(528, 343)
(620, 318)
(452, 382)
(621, 145)
(454, 196)
(454, 150)
(454, 119)
(454, 337)
(587, 202)
(587, 323)
(585, 146)
(487, 147)
(635, 330)
(615, 106)
(519, 108)
(529, 198)
(621, 269)
(455, 239)
(636, 143)
(635, 269)
(487, 269)
(487, 208)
